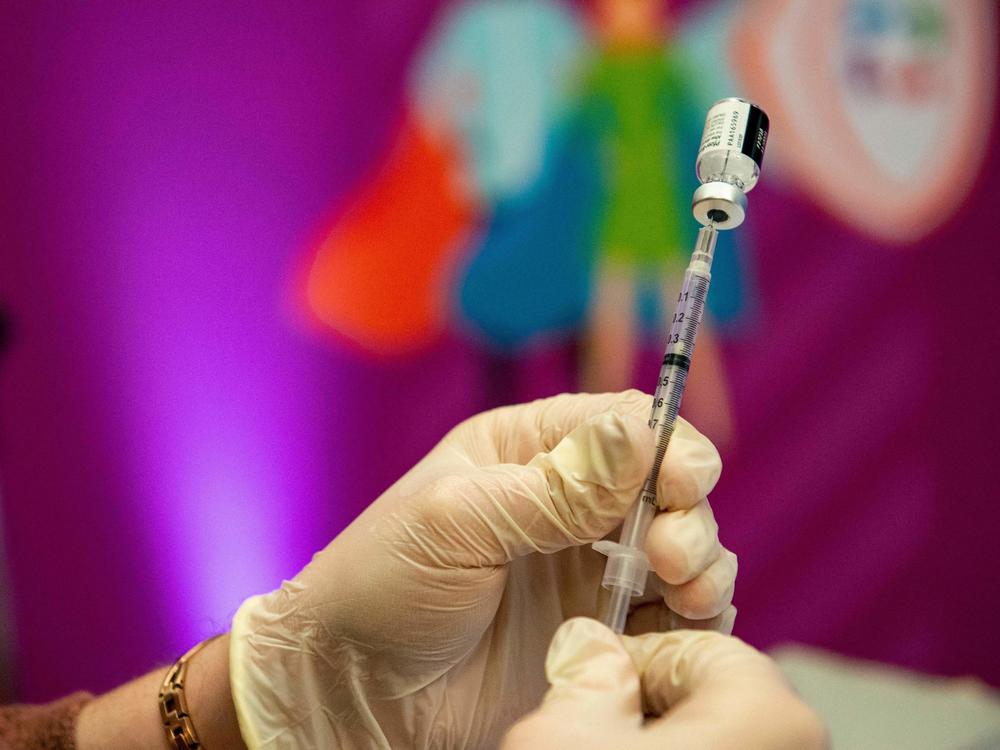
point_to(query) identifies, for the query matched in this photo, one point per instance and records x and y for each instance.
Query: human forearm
(23, 727)
(128, 718)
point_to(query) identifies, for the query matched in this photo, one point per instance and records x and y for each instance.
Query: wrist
(128, 718)
(210, 699)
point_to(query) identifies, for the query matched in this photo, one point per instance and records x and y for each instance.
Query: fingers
(566, 471)
(515, 434)
(707, 595)
(574, 494)
(684, 550)
(722, 623)
(681, 544)
(690, 468)
(708, 690)
(720, 692)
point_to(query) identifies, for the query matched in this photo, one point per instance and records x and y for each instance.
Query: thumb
(572, 495)
(591, 673)
(594, 692)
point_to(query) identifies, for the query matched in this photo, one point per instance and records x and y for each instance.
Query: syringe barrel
(628, 567)
(616, 611)
(639, 517)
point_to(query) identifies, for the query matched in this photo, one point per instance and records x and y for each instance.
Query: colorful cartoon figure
(543, 171)
(638, 102)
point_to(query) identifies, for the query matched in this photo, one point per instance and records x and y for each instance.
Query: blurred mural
(552, 145)
(538, 185)
(241, 239)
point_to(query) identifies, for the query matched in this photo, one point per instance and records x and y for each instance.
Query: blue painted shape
(530, 276)
(497, 72)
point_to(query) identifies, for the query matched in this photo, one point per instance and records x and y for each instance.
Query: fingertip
(691, 469)
(582, 627)
(709, 594)
(727, 621)
(670, 560)
(586, 654)
(722, 623)
(681, 544)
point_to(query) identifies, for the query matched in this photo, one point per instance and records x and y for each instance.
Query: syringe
(728, 165)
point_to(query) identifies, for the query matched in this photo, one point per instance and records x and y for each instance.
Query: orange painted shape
(380, 278)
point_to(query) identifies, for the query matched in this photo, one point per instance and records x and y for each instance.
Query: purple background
(175, 437)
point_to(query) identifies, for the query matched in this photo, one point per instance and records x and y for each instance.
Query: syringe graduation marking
(677, 360)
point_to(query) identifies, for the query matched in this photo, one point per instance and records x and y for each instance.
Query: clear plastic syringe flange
(728, 165)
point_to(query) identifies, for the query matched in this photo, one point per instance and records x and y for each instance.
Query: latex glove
(708, 690)
(426, 622)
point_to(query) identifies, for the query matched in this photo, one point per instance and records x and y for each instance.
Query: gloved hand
(426, 622)
(709, 690)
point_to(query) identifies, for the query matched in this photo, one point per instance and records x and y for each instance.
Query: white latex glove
(708, 690)
(426, 622)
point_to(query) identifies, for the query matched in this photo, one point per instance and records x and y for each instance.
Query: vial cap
(719, 204)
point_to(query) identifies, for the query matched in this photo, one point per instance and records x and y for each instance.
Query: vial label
(735, 125)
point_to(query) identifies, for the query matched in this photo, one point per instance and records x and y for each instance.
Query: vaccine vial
(729, 161)
(732, 145)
